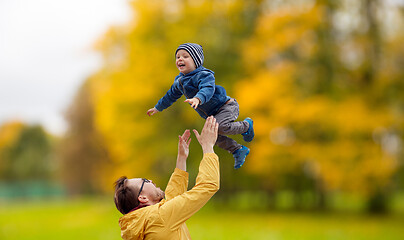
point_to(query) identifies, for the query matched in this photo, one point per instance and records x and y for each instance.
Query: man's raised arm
(178, 210)
(178, 182)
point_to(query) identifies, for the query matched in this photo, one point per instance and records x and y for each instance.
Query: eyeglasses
(141, 187)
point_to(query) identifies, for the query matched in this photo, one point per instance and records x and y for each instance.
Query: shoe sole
(237, 167)
(252, 127)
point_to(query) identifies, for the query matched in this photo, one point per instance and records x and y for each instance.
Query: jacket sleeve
(206, 86)
(169, 98)
(179, 209)
(177, 185)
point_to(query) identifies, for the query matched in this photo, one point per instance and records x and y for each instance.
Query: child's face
(184, 62)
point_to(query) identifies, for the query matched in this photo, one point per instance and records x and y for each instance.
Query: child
(198, 85)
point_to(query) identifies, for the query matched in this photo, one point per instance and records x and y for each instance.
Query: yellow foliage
(139, 67)
(9, 133)
(329, 139)
(280, 30)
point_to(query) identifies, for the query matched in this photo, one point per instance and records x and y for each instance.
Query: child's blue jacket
(199, 83)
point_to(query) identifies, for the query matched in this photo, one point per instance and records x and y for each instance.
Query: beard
(159, 195)
(162, 195)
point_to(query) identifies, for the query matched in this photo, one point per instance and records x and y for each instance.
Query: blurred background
(323, 81)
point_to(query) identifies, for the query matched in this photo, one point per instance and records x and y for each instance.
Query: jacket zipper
(179, 80)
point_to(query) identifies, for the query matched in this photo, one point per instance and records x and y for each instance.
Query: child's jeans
(226, 117)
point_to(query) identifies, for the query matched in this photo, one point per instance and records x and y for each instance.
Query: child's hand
(152, 111)
(194, 102)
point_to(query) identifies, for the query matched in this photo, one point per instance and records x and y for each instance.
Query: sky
(46, 54)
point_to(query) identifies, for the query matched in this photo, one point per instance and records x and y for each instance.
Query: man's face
(153, 193)
(184, 62)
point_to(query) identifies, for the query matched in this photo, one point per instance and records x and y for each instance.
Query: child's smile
(184, 62)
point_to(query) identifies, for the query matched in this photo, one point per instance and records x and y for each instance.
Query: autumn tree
(321, 79)
(139, 67)
(26, 153)
(9, 134)
(319, 126)
(82, 155)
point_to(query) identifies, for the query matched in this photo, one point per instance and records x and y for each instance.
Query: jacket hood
(132, 224)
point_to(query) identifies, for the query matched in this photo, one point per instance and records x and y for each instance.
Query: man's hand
(152, 111)
(183, 150)
(194, 102)
(183, 143)
(208, 136)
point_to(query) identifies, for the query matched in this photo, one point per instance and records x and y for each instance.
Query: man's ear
(143, 199)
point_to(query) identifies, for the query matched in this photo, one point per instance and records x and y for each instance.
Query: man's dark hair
(126, 198)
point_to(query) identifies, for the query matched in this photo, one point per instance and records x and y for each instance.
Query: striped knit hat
(195, 50)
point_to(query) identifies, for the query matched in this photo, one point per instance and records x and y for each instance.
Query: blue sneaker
(249, 135)
(239, 156)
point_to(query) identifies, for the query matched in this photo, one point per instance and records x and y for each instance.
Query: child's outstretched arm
(152, 111)
(169, 98)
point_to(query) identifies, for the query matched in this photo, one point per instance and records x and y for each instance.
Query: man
(148, 215)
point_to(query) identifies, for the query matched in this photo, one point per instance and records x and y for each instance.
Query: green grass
(75, 219)
(98, 219)
(236, 225)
